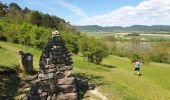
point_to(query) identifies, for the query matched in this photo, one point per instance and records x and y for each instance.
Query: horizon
(125, 26)
(106, 14)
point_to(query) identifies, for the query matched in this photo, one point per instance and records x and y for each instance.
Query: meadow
(114, 77)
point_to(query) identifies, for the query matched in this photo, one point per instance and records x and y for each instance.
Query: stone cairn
(55, 80)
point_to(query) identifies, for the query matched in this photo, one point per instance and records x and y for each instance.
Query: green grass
(8, 54)
(114, 77)
(120, 82)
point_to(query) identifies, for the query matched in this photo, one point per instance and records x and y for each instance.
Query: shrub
(71, 40)
(162, 58)
(135, 57)
(119, 53)
(94, 49)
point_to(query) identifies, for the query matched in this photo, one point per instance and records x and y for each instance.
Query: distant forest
(137, 28)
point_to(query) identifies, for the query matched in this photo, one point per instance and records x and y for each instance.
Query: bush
(162, 58)
(135, 57)
(94, 49)
(71, 40)
(119, 53)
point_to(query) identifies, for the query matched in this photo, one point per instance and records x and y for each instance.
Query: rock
(66, 81)
(53, 70)
(53, 87)
(40, 91)
(44, 85)
(49, 97)
(69, 62)
(52, 66)
(68, 96)
(34, 97)
(41, 76)
(54, 97)
(30, 78)
(66, 68)
(58, 75)
(44, 96)
(34, 89)
(60, 65)
(68, 73)
(67, 88)
(48, 61)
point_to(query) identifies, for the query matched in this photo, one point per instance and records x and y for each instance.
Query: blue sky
(103, 12)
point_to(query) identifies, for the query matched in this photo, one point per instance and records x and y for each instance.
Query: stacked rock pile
(55, 80)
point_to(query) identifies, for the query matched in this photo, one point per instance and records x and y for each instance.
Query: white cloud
(148, 12)
(75, 9)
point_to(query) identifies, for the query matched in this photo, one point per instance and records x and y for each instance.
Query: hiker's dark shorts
(137, 69)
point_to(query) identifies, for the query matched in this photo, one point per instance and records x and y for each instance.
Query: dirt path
(98, 94)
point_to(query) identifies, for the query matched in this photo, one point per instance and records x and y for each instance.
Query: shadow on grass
(87, 82)
(9, 83)
(108, 66)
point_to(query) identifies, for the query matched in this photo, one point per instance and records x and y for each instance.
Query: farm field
(124, 36)
(114, 77)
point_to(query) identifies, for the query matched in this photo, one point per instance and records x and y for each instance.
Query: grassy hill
(114, 78)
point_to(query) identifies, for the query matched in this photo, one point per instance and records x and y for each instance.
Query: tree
(36, 18)
(71, 41)
(94, 49)
(3, 10)
(15, 13)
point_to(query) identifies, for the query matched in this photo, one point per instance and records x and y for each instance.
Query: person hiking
(137, 64)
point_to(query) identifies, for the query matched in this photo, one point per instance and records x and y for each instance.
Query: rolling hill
(141, 28)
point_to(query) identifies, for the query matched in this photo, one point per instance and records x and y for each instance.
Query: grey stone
(53, 87)
(43, 76)
(52, 66)
(44, 96)
(30, 78)
(52, 70)
(67, 88)
(48, 61)
(34, 97)
(49, 76)
(68, 96)
(40, 91)
(49, 97)
(54, 97)
(69, 62)
(66, 68)
(66, 81)
(58, 75)
(60, 65)
(68, 73)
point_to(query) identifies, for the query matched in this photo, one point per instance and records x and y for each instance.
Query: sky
(103, 12)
